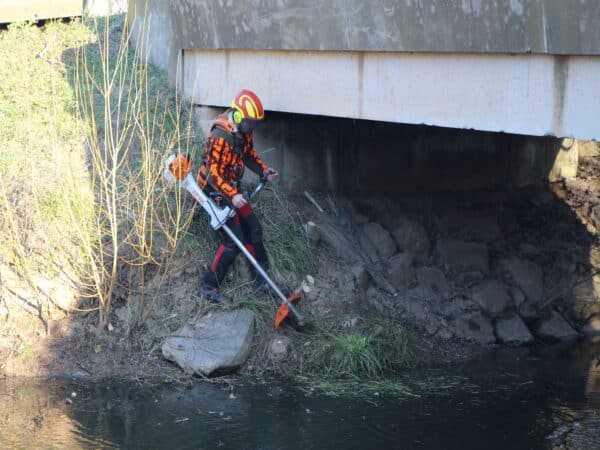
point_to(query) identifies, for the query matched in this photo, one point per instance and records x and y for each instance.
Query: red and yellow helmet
(247, 105)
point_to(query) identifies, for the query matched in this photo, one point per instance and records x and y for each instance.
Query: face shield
(247, 126)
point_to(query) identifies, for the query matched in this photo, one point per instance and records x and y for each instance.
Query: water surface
(525, 398)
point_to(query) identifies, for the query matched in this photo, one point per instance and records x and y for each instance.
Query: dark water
(528, 398)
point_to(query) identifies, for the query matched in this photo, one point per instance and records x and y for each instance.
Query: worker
(229, 149)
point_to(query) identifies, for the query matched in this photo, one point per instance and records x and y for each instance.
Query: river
(536, 397)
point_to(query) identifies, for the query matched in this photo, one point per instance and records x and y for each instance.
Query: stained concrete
(566, 27)
(524, 66)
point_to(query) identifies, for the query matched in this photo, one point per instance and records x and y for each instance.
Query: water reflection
(524, 398)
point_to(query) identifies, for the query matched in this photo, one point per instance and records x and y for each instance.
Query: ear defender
(237, 116)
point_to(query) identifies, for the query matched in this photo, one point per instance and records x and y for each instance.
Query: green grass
(283, 234)
(263, 309)
(376, 348)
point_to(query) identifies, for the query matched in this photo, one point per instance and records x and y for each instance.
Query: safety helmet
(248, 108)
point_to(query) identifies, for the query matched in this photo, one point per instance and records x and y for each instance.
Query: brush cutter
(179, 168)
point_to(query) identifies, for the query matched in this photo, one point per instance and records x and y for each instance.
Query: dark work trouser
(248, 230)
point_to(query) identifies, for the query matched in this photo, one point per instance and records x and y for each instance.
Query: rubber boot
(213, 295)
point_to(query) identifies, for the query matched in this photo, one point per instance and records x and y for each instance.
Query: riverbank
(100, 262)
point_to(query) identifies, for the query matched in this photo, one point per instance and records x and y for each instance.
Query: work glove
(270, 174)
(238, 200)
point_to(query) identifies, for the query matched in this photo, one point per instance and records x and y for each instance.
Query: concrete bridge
(512, 68)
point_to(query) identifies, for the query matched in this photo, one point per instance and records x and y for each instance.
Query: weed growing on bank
(374, 349)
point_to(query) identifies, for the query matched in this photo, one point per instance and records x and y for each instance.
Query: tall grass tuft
(372, 350)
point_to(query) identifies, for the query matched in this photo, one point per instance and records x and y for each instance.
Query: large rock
(492, 296)
(411, 237)
(401, 272)
(219, 341)
(475, 327)
(339, 243)
(526, 275)
(512, 330)
(526, 309)
(380, 238)
(555, 328)
(459, 256)
(434, 279)
(470, 226)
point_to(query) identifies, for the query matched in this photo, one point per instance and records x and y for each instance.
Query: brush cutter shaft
(262, 273)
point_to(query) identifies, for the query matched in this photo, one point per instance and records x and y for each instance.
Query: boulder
(459, 256)
(219, 341)
(526, 309)
(401, 273)
(338, 242)
(475, 327)
(526, 275)
(470, 226)
(492, 296)
(279, 347)
(380, 238)
(512, 330)
(555, 328)
(434, 279)
(411, 237)
(592, 326)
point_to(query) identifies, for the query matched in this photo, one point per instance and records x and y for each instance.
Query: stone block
(475, 327)
(555, 328)
(566, 161)
(434, 279)
(459, 256)
(469, 226)
(401, 272)
(512, 330)
(380, 238)
(219, 341)
(526, 275)
(492, 296)
(411, 237)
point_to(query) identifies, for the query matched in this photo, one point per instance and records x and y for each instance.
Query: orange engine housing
(181, 166)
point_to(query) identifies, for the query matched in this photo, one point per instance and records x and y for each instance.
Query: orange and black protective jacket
(225, 156)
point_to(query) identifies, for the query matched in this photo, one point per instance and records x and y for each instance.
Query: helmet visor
(248, 125)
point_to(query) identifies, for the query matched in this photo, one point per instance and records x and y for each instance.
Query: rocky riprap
(493, 267)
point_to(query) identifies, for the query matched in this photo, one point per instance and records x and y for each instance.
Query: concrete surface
(524, 94)
(565, 27)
